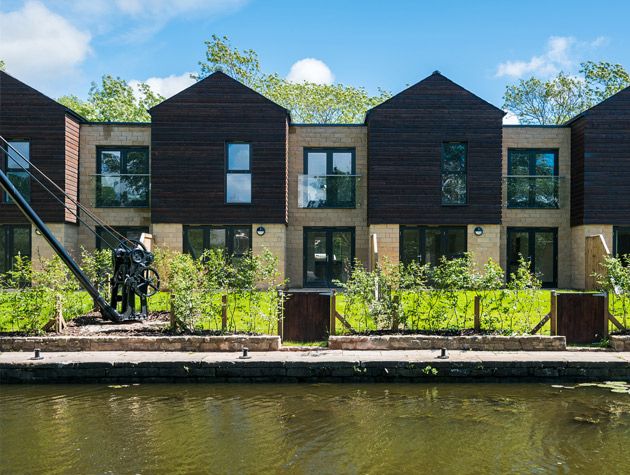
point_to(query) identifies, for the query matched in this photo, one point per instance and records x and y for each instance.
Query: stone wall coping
(620, 342)
(433, 342)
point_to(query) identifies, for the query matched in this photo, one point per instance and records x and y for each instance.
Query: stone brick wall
(330, 137)
(542, 137)
(168, 236)
(66, 234)
(484, 247)
(274, 240)
(388, 241)
(92, 136)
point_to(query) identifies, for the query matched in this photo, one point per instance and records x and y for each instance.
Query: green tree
(555, 101)
(308, 102)
(114, 100)
(2, 65)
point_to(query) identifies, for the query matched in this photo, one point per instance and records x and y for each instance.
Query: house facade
(431, 172)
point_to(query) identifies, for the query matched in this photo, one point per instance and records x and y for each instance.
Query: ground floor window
(427, 244)
(540, 246)
(328, 256)
(234, 240)
(108, 240)
(14, 239)
(621, 241)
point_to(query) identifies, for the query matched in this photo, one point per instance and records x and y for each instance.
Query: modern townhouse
(432, 172)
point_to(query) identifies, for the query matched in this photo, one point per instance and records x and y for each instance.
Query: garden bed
(434, 342)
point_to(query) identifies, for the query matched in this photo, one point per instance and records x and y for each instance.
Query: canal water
(318, 429)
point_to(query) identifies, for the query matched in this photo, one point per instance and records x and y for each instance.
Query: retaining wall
(620, 342)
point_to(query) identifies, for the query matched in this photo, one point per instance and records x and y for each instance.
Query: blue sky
(61, 46)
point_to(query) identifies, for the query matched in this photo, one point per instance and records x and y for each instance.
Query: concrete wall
(542, 137)
(92, 136)
(332, 137)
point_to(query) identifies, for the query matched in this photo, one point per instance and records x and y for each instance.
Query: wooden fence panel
(306, 317)
(582, 318)
(595, 252)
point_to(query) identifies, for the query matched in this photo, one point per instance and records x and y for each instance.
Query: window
(16, 168)
(14, 240)
(454, 186)
(105, 240)
(238, 178)
(122, 179)
(540, 246)
(329, 179)
(235, 240)
(427, 245)
(328, 256)
(532, 178)
(621, 242)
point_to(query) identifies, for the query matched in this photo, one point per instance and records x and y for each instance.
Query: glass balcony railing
(535, 191)
(327, 191)
(121, 191)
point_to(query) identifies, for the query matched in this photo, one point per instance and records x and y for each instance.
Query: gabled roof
(426, 84)
(610, 99)
(6, 76)
(215, 80)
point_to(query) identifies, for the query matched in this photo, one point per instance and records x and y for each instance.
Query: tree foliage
(114, 100)
(562, 97)
(2, 65)
(308, 102)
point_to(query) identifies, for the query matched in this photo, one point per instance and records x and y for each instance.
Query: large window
(427, 245)
(621, 241)
(238, 177)
(234, 240)
(532, 180)
(329, 179)
(14, 240)
(122, 179)
(16, 165)
(105, 239)
(540, 247)
(328, 256)
(454, 183)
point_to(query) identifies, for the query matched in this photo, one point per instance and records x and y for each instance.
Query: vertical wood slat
(224, 312)
(477, 324)
(553, 331)
(333, 313)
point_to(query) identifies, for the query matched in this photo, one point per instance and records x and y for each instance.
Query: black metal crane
(133, 275)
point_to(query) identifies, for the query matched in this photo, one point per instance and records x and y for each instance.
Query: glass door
(540, 246)
(328, 255)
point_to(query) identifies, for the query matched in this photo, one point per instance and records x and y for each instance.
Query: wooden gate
(306, 316)
(582, 318)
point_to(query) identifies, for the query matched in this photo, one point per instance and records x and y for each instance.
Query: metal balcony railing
(328, 191)
(535, 192)
(121, 191)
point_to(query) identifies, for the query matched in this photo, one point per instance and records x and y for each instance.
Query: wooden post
(281, 319)
(553, 331)
(606, 315)
(333, 312)
(395, 318)
(223, 312)
(477, 324)
(171, 314)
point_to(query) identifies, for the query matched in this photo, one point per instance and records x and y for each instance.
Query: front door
(540, 246)
(328, 256)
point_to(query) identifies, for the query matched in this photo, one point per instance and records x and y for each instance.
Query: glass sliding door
(540, 246)
(328, 255)
(428, 244)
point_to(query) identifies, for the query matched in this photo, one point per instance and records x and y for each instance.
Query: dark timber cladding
(600, 163)
(405, 137)
(189, 133)
(52, 132)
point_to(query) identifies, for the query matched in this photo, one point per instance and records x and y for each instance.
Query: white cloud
(166, 86)
(310, 70)
(36, 41)
(510, 118)
(562, 53)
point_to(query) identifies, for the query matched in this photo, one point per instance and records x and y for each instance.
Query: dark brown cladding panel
(29, 115)
(188, 145)
(600, 154)
(405, 136)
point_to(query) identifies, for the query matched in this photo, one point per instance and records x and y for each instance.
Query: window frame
(531, 244)
(8, 234)
(531, 202)
(206, 228)
(421, 258)
(5, 166)
(443, 171)
(330, 151)
(119, 229)
(240, 172)
(328, 230)
(616, 230)
(124, 150)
